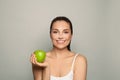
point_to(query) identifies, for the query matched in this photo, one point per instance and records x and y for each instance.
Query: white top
(69, 76)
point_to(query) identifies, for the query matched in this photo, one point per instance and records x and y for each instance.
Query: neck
(60, 52)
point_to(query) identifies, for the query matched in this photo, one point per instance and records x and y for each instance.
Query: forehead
(61, 25)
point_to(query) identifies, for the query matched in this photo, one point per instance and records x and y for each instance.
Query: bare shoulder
(81, 60)
(80, 67)
(48, 55)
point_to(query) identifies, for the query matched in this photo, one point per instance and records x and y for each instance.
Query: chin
(60, 47)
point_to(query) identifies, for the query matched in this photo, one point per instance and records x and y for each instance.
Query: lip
(60, 41)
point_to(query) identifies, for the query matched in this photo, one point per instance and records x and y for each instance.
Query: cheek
(53, 36)
(69, 37)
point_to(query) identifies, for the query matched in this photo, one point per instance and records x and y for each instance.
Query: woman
(61, 63)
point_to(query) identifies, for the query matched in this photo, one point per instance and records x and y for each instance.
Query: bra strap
(74, 61)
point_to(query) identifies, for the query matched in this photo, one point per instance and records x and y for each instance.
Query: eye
(66, 32)
(54, 32)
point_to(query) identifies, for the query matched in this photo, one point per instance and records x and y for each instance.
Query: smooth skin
(59, 60)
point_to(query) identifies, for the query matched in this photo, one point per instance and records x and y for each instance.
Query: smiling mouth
(60, 41)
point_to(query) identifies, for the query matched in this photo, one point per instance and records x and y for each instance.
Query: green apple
(40, 55)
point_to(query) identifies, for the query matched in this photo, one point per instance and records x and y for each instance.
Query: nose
(60, 36)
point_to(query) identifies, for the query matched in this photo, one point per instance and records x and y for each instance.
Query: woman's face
(61, 34)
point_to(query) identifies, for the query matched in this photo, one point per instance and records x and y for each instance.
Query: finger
(34, 61)
(33, 58)
(44, 64)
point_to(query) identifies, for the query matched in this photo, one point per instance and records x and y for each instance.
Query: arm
(40, 70)
(37, 72)
(80, 69)
(46, 74)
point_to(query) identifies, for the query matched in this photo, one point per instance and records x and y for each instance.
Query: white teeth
(60, 41)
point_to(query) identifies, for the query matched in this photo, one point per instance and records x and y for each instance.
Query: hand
(34, 62)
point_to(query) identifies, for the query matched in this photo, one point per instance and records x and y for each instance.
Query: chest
(60, 67)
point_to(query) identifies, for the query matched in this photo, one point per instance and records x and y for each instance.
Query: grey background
(24, 27)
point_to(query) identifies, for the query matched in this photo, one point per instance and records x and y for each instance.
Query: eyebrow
(63, 29)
